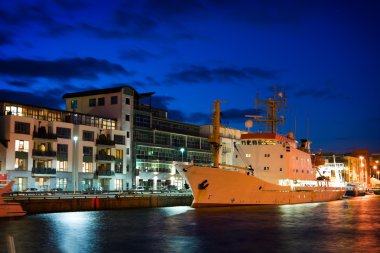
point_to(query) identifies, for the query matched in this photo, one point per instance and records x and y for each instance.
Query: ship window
(281, 156)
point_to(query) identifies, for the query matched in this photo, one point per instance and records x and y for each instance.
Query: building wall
(118, 111)
(36, 161)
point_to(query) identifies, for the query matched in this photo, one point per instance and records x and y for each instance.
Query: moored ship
(267, 168)
(7, 208)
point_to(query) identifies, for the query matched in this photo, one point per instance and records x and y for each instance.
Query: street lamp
(182, 150)
(75, 179)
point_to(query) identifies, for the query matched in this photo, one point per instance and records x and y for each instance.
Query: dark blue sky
(325, 54)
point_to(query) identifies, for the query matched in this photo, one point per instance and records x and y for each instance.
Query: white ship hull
(226, 187)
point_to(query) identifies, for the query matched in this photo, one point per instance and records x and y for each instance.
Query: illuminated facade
(47, 148)
(228, 137)
(158, 142)
(153, 141)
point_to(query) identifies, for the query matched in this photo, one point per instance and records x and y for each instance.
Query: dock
(34, 204)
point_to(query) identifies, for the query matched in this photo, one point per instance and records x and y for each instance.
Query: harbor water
(348, 225)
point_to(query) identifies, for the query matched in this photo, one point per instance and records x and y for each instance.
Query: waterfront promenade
(45, 202)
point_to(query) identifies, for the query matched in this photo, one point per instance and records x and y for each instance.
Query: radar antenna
(273, 105)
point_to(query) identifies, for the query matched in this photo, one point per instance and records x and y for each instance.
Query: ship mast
(272, 107)
(215, 136)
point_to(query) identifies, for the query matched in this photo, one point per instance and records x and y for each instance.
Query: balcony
(87, 158)
(21, 155)
(105, 158)
(47, 172)
(105, 141)
(105, 173)
(46, 153)
(45, 136)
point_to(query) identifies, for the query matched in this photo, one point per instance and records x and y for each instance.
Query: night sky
(325, 54)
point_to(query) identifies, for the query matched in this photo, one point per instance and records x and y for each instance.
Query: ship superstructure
(268, 168)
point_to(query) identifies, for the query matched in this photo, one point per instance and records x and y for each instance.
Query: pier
(33, 204)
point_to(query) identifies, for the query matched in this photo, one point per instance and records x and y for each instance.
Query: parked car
(138, 189)
(92, 190)
(56, 190)
(169, 188)
(31, 190)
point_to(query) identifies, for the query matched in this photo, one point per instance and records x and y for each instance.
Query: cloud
(317, 92)
(37, 99)
(162, 102)
(18, 83)
(124, 24)
(263, 12)
(227, 116)
(138, 55)
(173, 8)
(62, 69)
(5, 39)
(202, 74)
(71, 5)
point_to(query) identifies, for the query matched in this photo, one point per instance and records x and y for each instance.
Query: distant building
(228, 136)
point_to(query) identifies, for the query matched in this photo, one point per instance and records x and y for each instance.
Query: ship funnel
(305, 145)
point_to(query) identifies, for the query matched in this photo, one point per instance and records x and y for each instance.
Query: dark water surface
(349, 225)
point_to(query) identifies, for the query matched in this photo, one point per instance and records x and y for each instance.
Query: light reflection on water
(350, 225)
(74, 228)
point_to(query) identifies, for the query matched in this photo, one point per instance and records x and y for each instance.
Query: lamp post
(182, 150)
(74, 169)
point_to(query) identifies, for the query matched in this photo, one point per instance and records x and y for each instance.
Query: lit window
(74, 104)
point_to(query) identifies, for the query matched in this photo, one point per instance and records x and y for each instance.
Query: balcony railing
(87, 158)
(109, 158)
(46, 171)
(21, 154)
(46, 153)
(105, 142)
(105, 173)
(42, 135)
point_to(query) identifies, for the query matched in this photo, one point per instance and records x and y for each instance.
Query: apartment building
(116, 103)
(47, 148)
(153, 141)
